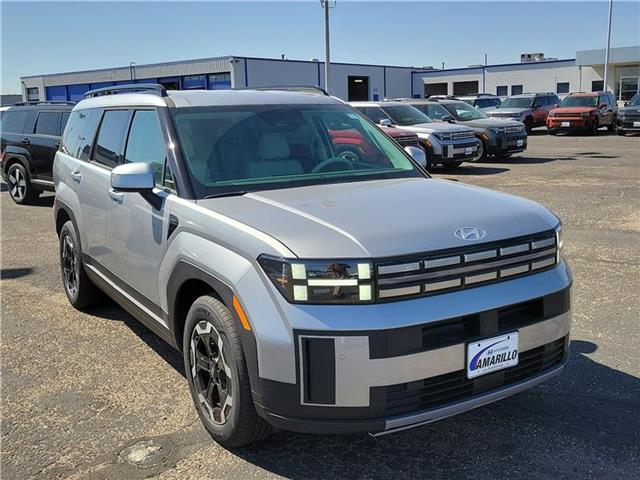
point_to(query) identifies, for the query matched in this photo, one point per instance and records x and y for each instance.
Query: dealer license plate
(636, 124)
(492, 354)
(519, 143)
(566, 124)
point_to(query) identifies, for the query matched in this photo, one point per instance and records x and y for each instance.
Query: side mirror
(132, 177)
(448, 118)
(385, 122)
(418, 155)
(626, 104)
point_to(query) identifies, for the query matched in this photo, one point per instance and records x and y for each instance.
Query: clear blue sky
(50, 37)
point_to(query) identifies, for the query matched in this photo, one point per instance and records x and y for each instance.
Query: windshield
(405, 115)
(579, 101)
(517, 102)
(234, 149)
(462, 111)
(635, 101)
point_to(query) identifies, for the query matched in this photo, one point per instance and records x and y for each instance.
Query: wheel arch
(12, 158)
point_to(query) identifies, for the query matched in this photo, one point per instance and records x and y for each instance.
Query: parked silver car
(447, 145)
(529, 108)
(307, 291)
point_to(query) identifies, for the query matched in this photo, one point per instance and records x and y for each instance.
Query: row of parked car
(577, 111)
(450, 130)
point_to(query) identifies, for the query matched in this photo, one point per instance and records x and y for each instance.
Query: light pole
(326, 5)
(132, 71)
(606, 55)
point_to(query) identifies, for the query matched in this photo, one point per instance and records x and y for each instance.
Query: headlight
(552, 114)
(558, 230)
(443, 136)
(320, 281)
(498, 130)
(516, 115)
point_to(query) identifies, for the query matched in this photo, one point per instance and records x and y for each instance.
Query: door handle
(77, 176)
(116, 196)
(25, 141)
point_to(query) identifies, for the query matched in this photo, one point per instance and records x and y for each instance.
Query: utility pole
(132, 71)
(606, 55)
(327, 55)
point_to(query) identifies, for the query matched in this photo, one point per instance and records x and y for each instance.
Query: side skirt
(127, 301)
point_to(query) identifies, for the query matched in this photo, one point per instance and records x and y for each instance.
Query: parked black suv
(29, 138)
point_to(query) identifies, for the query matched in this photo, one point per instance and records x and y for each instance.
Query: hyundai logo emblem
(470, 233)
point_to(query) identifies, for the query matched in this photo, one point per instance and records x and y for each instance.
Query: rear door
(137, 229)
(540, 110)
(45, 140)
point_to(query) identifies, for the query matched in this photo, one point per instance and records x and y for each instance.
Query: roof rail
(43, 102)
(132, 87)
(314, 89)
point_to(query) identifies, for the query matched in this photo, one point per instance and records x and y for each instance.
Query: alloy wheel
(17, 183)
(70, 265)
(211, 373)
(479, 152)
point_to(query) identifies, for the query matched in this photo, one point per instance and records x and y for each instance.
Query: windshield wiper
(235, 193)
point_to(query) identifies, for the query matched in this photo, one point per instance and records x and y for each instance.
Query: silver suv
(307, 291)
(447, 145)
(529, 108)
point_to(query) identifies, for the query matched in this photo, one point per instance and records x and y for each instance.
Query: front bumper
(507, 143)
(350, 381)
(628, 124)
(570, 123)
(454, 151)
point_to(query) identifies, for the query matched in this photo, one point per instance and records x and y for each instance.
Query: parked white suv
(307, 291)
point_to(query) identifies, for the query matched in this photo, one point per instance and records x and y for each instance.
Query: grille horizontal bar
(429, 274)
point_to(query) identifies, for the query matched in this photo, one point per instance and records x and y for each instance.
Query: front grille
(518, 129)
(566, 115)
(462, 135)
(407, 141)
(467, 267)
(455, 386)
(502, 115)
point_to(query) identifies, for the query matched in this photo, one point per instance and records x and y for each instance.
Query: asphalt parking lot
(79, 389)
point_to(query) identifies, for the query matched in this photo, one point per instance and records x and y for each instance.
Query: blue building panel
(75, 93)
(58, 93)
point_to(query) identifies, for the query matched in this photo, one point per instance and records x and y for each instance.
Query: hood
(395, 132)
(435, 127)
(506, 111)
(635, 109)
(383, 217)
(491, 122)
(573, 110)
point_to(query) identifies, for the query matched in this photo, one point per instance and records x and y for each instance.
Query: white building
(352, 81)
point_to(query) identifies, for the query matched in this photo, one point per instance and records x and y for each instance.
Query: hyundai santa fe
(307, 291)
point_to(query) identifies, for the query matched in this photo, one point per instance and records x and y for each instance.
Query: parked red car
(584, 111)
(350, 144)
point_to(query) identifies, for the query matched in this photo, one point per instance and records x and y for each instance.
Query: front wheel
(528, 125)
(620, 132)
(20, 188)
(612, 126)
(218, 376)
(594, 128)
(481, 153)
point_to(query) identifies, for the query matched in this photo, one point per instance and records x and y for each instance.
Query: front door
(137, 227)
(45, 140)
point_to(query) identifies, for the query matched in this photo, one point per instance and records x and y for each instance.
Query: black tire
(552, 131)
(234, 425)
(19, 185)
(612, 126)
(528, 125)
(482, 151)
(80, 290)
(594, 128)
(620, 132)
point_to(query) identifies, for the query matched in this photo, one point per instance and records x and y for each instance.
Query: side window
(146, 143)
(168, 178)
(539, 102)
(110, 141)
(437, 112)
(13, 121)
(79, 133)
(48, 123)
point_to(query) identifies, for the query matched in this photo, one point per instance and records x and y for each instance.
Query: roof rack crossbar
(44, 102)
(154, 88)
(314, 89)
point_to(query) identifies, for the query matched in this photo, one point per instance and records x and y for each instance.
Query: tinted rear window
(111, 137)
(48, 123)
(13, 121)
(79, 133)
